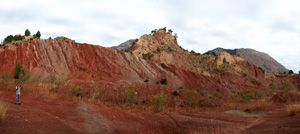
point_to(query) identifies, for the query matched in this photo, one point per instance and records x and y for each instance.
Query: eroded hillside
(162, 47)
(70, 60)
(153, 58)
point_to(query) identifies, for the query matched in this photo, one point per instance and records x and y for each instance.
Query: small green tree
(18, 70)
(193, 52)
(8, 39)
(38, 34)
(27, 32)
(4, 77)
(291, 72)
(170, 31)
(154, 31)
(175, 35)
(11, 38)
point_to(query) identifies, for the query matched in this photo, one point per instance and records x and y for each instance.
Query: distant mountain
(125, 45)
(257, 58)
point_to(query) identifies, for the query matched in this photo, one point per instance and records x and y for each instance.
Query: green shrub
(261, 69)
(140, 85)
(24, 76)
(4, 77)
(273, 86)
(258, 93)
(163, 81)
(247, 94)
(224, 60)
(11, 38)
(193, 52)
(76, 90)
(95, 93)
(159, 101)
(217, 69)
(193, 61)
(189, 95)
(203, 93)
(54, 80)
(213, 53)
(128, 94)
(158, 49)
(207, 53)
(125, 50)
(217, 94)
(18, 70)
(249, 83)
(175, 93)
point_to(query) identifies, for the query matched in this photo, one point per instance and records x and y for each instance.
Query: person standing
(18, 93)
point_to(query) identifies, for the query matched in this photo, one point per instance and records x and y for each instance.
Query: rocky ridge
(125, 45)
(257, 58)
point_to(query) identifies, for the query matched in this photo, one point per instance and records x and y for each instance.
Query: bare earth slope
(71, 60)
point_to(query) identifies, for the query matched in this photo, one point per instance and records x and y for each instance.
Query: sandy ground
(41, 115)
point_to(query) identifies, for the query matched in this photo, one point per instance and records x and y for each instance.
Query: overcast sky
(270, 26)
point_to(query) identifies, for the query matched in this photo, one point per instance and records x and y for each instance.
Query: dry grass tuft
(3, 108)
(293, 109)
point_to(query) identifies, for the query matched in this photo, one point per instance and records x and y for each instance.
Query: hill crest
(257, 58)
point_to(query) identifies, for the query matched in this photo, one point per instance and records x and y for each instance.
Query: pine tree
(38, 34)
(18, 70)
(27, 32)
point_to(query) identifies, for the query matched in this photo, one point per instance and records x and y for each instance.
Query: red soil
(45, 115)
